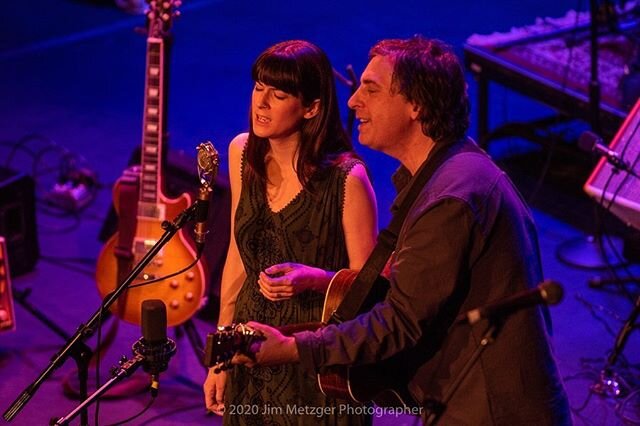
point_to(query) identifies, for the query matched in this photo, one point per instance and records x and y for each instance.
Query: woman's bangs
(279, 72)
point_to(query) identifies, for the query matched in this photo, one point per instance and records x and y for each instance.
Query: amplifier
(7, 317)
(616, 190)
(18, 220)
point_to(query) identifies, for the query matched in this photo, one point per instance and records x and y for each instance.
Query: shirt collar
(402, 180)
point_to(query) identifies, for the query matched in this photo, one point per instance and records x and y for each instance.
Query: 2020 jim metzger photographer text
(317, 411)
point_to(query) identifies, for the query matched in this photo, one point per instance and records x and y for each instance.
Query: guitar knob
(174, 283)
(158, 262)
(190, 276)
(174, 304)
(189, 296)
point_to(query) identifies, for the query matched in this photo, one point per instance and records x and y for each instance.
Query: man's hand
(273, 349)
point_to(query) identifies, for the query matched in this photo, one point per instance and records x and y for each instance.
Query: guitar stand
(437, 408)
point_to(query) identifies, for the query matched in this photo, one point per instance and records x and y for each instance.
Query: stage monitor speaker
(18, 220)
(618, 189)
(7, 317)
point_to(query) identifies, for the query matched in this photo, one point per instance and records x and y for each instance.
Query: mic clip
(156, 356)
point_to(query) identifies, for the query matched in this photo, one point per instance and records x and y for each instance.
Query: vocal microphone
(154, 346)
(548, 293)
(590, 142)
(208, 162)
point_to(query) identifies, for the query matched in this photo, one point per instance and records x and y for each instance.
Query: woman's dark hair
(429, 74)
(301, 69)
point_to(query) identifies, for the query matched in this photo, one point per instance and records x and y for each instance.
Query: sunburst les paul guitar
(183, 294)
(384, 383)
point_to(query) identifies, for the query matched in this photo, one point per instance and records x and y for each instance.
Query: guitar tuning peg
(165, 17)
(177, 3)
(177, 13)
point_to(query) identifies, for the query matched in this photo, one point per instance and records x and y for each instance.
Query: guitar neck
(153, 126)
(290, 329)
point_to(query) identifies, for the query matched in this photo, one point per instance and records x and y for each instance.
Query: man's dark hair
(429, 74)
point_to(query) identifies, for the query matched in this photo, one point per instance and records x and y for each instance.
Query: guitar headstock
(160, 16)
(222, 345)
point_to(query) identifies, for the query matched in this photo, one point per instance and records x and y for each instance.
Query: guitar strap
(367, 279)
(128, 192)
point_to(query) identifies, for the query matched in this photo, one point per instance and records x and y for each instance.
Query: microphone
(590, 142)
(208, 162)
(154, 347)
(548, 293)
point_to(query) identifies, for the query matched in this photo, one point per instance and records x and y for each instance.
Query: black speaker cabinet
(18, 220)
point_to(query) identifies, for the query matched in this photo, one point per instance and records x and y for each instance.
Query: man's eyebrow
(370, 82)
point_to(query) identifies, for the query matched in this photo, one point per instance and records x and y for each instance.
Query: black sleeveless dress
(308, 230)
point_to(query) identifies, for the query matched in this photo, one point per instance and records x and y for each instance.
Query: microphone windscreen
(551, 292)
(587, 141)
(154, 321)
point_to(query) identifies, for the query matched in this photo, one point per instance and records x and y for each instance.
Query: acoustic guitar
(383, 383)
(140, 221)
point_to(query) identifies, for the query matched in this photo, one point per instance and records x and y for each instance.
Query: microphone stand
(609, 383)
(126, 369)
(592, 252)
(75, 346)
(436, 407)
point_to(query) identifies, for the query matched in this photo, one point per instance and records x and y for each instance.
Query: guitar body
(142, 206)
(385, 382)
(183, 294)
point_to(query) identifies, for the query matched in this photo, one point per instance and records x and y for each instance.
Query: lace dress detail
(307, 230)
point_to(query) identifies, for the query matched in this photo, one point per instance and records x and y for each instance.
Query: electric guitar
(383, 383)
(140, 220)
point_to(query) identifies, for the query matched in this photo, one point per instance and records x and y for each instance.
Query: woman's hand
(283, 281)
(213, 388)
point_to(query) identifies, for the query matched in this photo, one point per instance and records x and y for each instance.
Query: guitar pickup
(141, 246)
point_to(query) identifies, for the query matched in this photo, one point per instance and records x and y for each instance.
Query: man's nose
(354, 100)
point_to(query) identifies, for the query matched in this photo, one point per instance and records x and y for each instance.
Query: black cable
(607, 205)
(592, 310)
(554, 140)
(155, 280)
(21, 143)
(96, 413)
(144, 410)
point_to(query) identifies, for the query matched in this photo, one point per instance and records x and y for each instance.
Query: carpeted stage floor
(71, 93)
